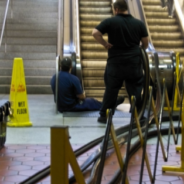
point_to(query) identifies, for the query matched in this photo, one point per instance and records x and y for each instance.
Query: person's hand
(108, 46)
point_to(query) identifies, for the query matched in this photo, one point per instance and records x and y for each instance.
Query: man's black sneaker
(120, 100)
(102, 119)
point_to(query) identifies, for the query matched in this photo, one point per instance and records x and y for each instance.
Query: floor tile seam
(98, 126)
(72, 126)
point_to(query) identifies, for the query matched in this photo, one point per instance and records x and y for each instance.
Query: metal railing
(60, 41)
(60, 31)
(76, 28)
(4, 23)
(151, 47)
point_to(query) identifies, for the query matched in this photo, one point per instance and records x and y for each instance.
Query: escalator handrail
(4, 21)
(57, 82)
(60, 29)
(151, 46)
(76, 38)
(146, 82)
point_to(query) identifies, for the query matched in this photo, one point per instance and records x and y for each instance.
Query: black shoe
(102, 119)
(120, 100)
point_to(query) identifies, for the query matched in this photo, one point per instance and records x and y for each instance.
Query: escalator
(165, 31)
(93, 55)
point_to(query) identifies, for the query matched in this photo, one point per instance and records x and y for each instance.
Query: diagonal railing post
(104, 147)
(159, 139)
(142, 142)
(133, 101)
(145, 137)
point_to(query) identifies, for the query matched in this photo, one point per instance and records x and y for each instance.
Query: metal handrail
(76, 27)
(4, 21)
(150, 39)
(76, 36)
(60, 31)
(60, 41)
(57, 81)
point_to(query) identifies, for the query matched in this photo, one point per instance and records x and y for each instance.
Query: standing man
(124, 55)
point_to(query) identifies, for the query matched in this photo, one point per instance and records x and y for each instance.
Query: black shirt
(124, 33)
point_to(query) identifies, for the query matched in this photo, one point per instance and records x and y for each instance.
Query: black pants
(115, 75)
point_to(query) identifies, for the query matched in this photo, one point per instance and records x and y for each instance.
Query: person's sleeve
(144, 32)
(103, 27)
(78, 87)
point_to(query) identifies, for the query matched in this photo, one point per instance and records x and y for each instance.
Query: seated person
(71, 97)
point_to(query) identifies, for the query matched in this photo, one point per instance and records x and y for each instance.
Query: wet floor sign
(18, 96)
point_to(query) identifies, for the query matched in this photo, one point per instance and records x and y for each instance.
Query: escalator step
(94, 64)
(168, 44)
(161, 21)
(90, 38)
(154, 8)
(95, 55)
(94, 3)
(87, 31)
(167, 36)
(157, 15)
(96, 10)
(93, 72)
(93, 82)
(90, 46)
(89, 23)
(94, 16)
(164, 28)
(151, 2)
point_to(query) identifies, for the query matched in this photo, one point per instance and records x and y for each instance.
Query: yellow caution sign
(18, 96)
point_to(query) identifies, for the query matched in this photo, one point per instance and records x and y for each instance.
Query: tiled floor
(27, 149)
(18, 162)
